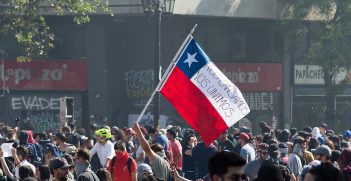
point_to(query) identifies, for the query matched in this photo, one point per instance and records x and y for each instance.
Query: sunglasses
(264, 153)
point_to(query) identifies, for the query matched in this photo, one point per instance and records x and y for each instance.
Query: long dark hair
(103, 174)
(44, 171)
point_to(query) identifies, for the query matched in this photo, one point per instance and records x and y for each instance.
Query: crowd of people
(149, 154)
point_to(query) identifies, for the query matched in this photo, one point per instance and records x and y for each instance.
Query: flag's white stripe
(222, 93)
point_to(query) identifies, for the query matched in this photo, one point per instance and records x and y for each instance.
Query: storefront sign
(313, 75)
(47, 75)
(254, 76)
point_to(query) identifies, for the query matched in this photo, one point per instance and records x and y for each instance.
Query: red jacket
(120, 169)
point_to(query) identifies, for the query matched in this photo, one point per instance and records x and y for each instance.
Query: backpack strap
(112, 164)
(129, 162)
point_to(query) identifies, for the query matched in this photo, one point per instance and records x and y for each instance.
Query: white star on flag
(191, 59)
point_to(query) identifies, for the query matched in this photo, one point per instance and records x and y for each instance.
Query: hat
(71, 150)
(282, 145)
(273, 148)
(30, 137)
(244, 129)
(347, 134)
(59, 163)
(52, 148)
(344, 144)
(144, 168)
(244, 136)
(322, 150)
(335, 155)
(299, 140)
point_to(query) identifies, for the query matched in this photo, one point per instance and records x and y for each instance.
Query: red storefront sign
(254, 76)
(47, 75)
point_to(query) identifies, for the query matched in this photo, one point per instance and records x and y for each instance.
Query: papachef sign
(47, 75)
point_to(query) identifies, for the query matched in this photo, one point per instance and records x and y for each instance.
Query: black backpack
(129, 163)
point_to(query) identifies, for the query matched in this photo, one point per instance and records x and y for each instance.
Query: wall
(39, 110)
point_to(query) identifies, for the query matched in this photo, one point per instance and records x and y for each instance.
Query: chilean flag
(202, 94)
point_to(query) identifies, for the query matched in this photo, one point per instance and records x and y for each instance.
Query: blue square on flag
(192, 59)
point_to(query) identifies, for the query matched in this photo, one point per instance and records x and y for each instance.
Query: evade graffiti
(41, 113)
(35, 103)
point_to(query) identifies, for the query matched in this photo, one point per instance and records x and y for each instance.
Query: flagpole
(166, 75)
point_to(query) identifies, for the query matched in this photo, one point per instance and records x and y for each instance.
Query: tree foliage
(328, 25)
(25, 20)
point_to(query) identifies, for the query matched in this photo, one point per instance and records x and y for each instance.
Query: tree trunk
(330, 101)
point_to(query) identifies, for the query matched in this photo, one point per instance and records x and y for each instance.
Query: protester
(247, 151)
(200, 153)
(156, 155)
(122, 166)
(42, 173)
(324, 172)
(104, 147)
(225, 166)
(104, 174)
(82, 166)
(224, 144)
(59, 168)
(323, 153)
(176, 149)
(344, 163)
(295, 162)
(20, 155)
(252, 168)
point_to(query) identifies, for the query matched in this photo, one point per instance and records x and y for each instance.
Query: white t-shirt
(24, 162)
(247, 152)
(103, 151)
(138, 153)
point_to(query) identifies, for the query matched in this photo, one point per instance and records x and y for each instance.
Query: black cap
(273, 148)
(324, 125)
(59, 163)
(299, 140)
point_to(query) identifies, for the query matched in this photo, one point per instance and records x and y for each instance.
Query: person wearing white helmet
(104, 147)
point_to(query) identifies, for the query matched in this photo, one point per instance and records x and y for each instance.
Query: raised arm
(143, 143)
(4, 166)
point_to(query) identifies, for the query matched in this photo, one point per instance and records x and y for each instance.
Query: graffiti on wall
(35, 103)
(259, 101)
(42, 113)
(139, 84)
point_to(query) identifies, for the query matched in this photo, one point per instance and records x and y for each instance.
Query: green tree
(329, 27)
(25, 20)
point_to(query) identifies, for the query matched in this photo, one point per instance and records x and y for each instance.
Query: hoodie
(120, 170)
(316, 133)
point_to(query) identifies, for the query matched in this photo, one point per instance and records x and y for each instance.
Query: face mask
(119, 154)
(80, 167)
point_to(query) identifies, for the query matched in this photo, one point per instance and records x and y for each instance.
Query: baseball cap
(59, 163)
(244, 136)
(322, 150)
(347, 134)
(144, 168)
(71, 150)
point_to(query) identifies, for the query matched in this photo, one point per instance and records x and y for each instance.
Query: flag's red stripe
(193, 106)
